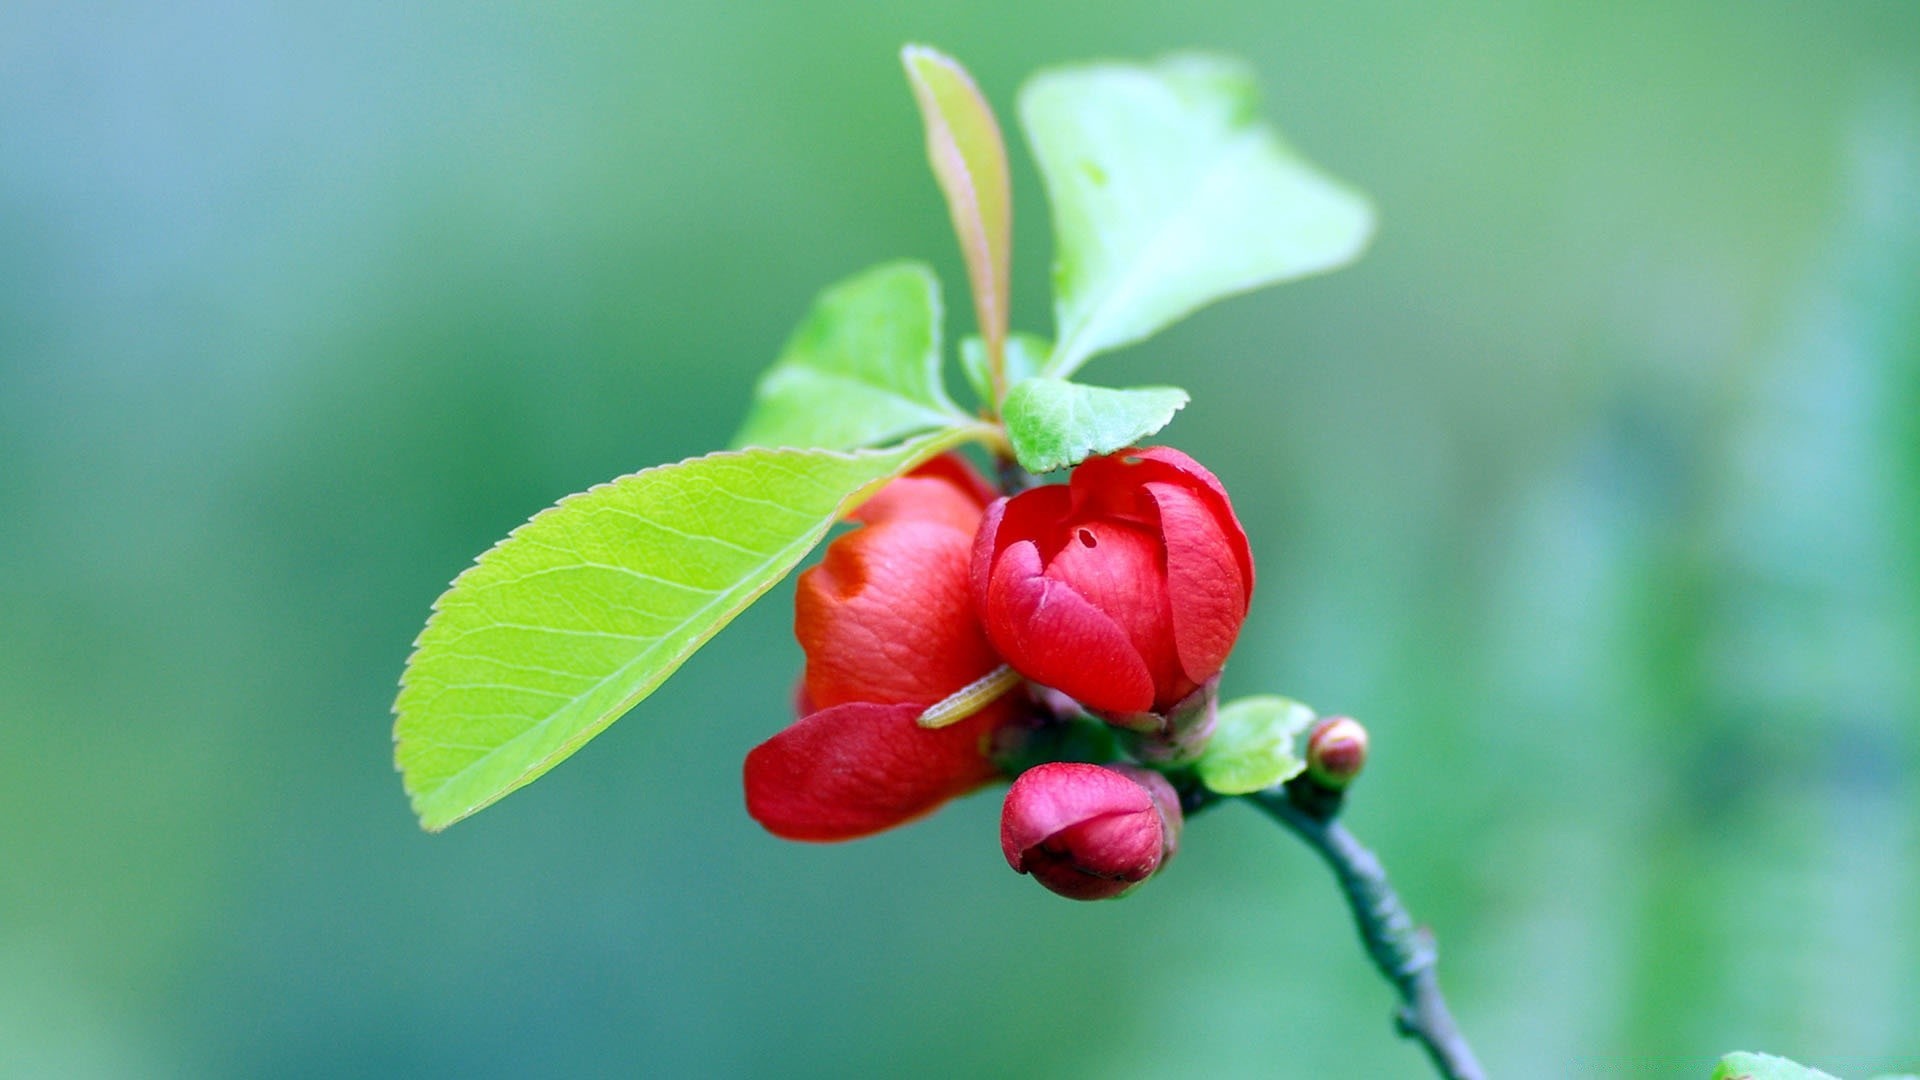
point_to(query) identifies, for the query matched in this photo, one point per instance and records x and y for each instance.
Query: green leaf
(1253, 745)
(970, 161)
(1025, 354)
(584, 610)
(1168, 194)
(1053, 423)
(1745, 1066)
(863, 369)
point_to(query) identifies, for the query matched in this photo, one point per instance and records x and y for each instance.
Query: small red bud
(1336, 751)
(1089, 832)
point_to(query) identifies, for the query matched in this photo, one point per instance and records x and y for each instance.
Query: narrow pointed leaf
(584, 610)
(1255, 745)
(1168, 194)
(1024, 355)
(969, 159)
(863, 369)
(1054, 423)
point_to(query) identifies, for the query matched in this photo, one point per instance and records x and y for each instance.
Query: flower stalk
(1405, 954)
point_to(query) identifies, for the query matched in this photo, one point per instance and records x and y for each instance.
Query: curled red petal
(1116, 566)
(1205, 590)
(986, 545)
(1212, 492)
(1038, 515)
(856, 769)
(1052, 635)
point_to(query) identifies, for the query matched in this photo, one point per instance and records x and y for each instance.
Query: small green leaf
(863, 369)
(584, 610)
(1025, 354)
(1253, 745)
(1053, 423)
(1745, 1066)
(1168, 194)
(970, 160)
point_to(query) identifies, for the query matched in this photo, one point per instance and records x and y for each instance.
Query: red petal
(1038, 515)
(1109, 487)
(1049, 799)
(887, 616)
(986, 544)
(1050, 634)
(1191, 473)
(853, 770)
(920, 498)
(1118, 568)
(1204, 587)
(954, 469)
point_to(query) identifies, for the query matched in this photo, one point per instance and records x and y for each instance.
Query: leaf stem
(1405, 954)
(996, 372)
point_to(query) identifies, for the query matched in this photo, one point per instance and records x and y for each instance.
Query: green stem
(1405, 954)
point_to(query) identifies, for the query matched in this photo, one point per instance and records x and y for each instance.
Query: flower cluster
(1122, 590)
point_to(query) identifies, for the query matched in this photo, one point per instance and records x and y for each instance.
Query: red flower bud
(888, 628)
(1124, 588)
(1336, 751)
(1089, 832)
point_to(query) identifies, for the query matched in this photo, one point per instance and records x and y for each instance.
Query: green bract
(1053, 423)
(584, 610)
(1168, 194)
(863, 369)
(1253, 745)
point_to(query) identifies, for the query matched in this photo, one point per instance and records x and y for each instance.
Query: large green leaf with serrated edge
(1254, 745)
(584, 610)
(1746, 1066)
(1168, 194)
(1053, 423)
(863, 369)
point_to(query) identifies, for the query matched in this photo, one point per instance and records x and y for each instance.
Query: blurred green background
(1594, 489)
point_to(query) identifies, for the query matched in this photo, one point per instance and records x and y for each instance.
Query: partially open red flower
(1124, 588)
(888, 627)
(1089, 832)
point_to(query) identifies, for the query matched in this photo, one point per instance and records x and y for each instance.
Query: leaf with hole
(584, 610)
(1169, 194)
(1053, 423)
(863, 369)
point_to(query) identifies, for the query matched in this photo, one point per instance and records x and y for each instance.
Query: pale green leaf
(1053, 423)
(970, 160)
(1254, 745)
(863, 369)
(1745, 1066)
(1025, 354)
(584, 610)
(1168, 194)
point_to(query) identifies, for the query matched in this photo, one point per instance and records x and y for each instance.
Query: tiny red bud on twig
(1336, 751)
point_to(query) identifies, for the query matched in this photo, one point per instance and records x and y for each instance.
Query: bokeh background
(1594, 489)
